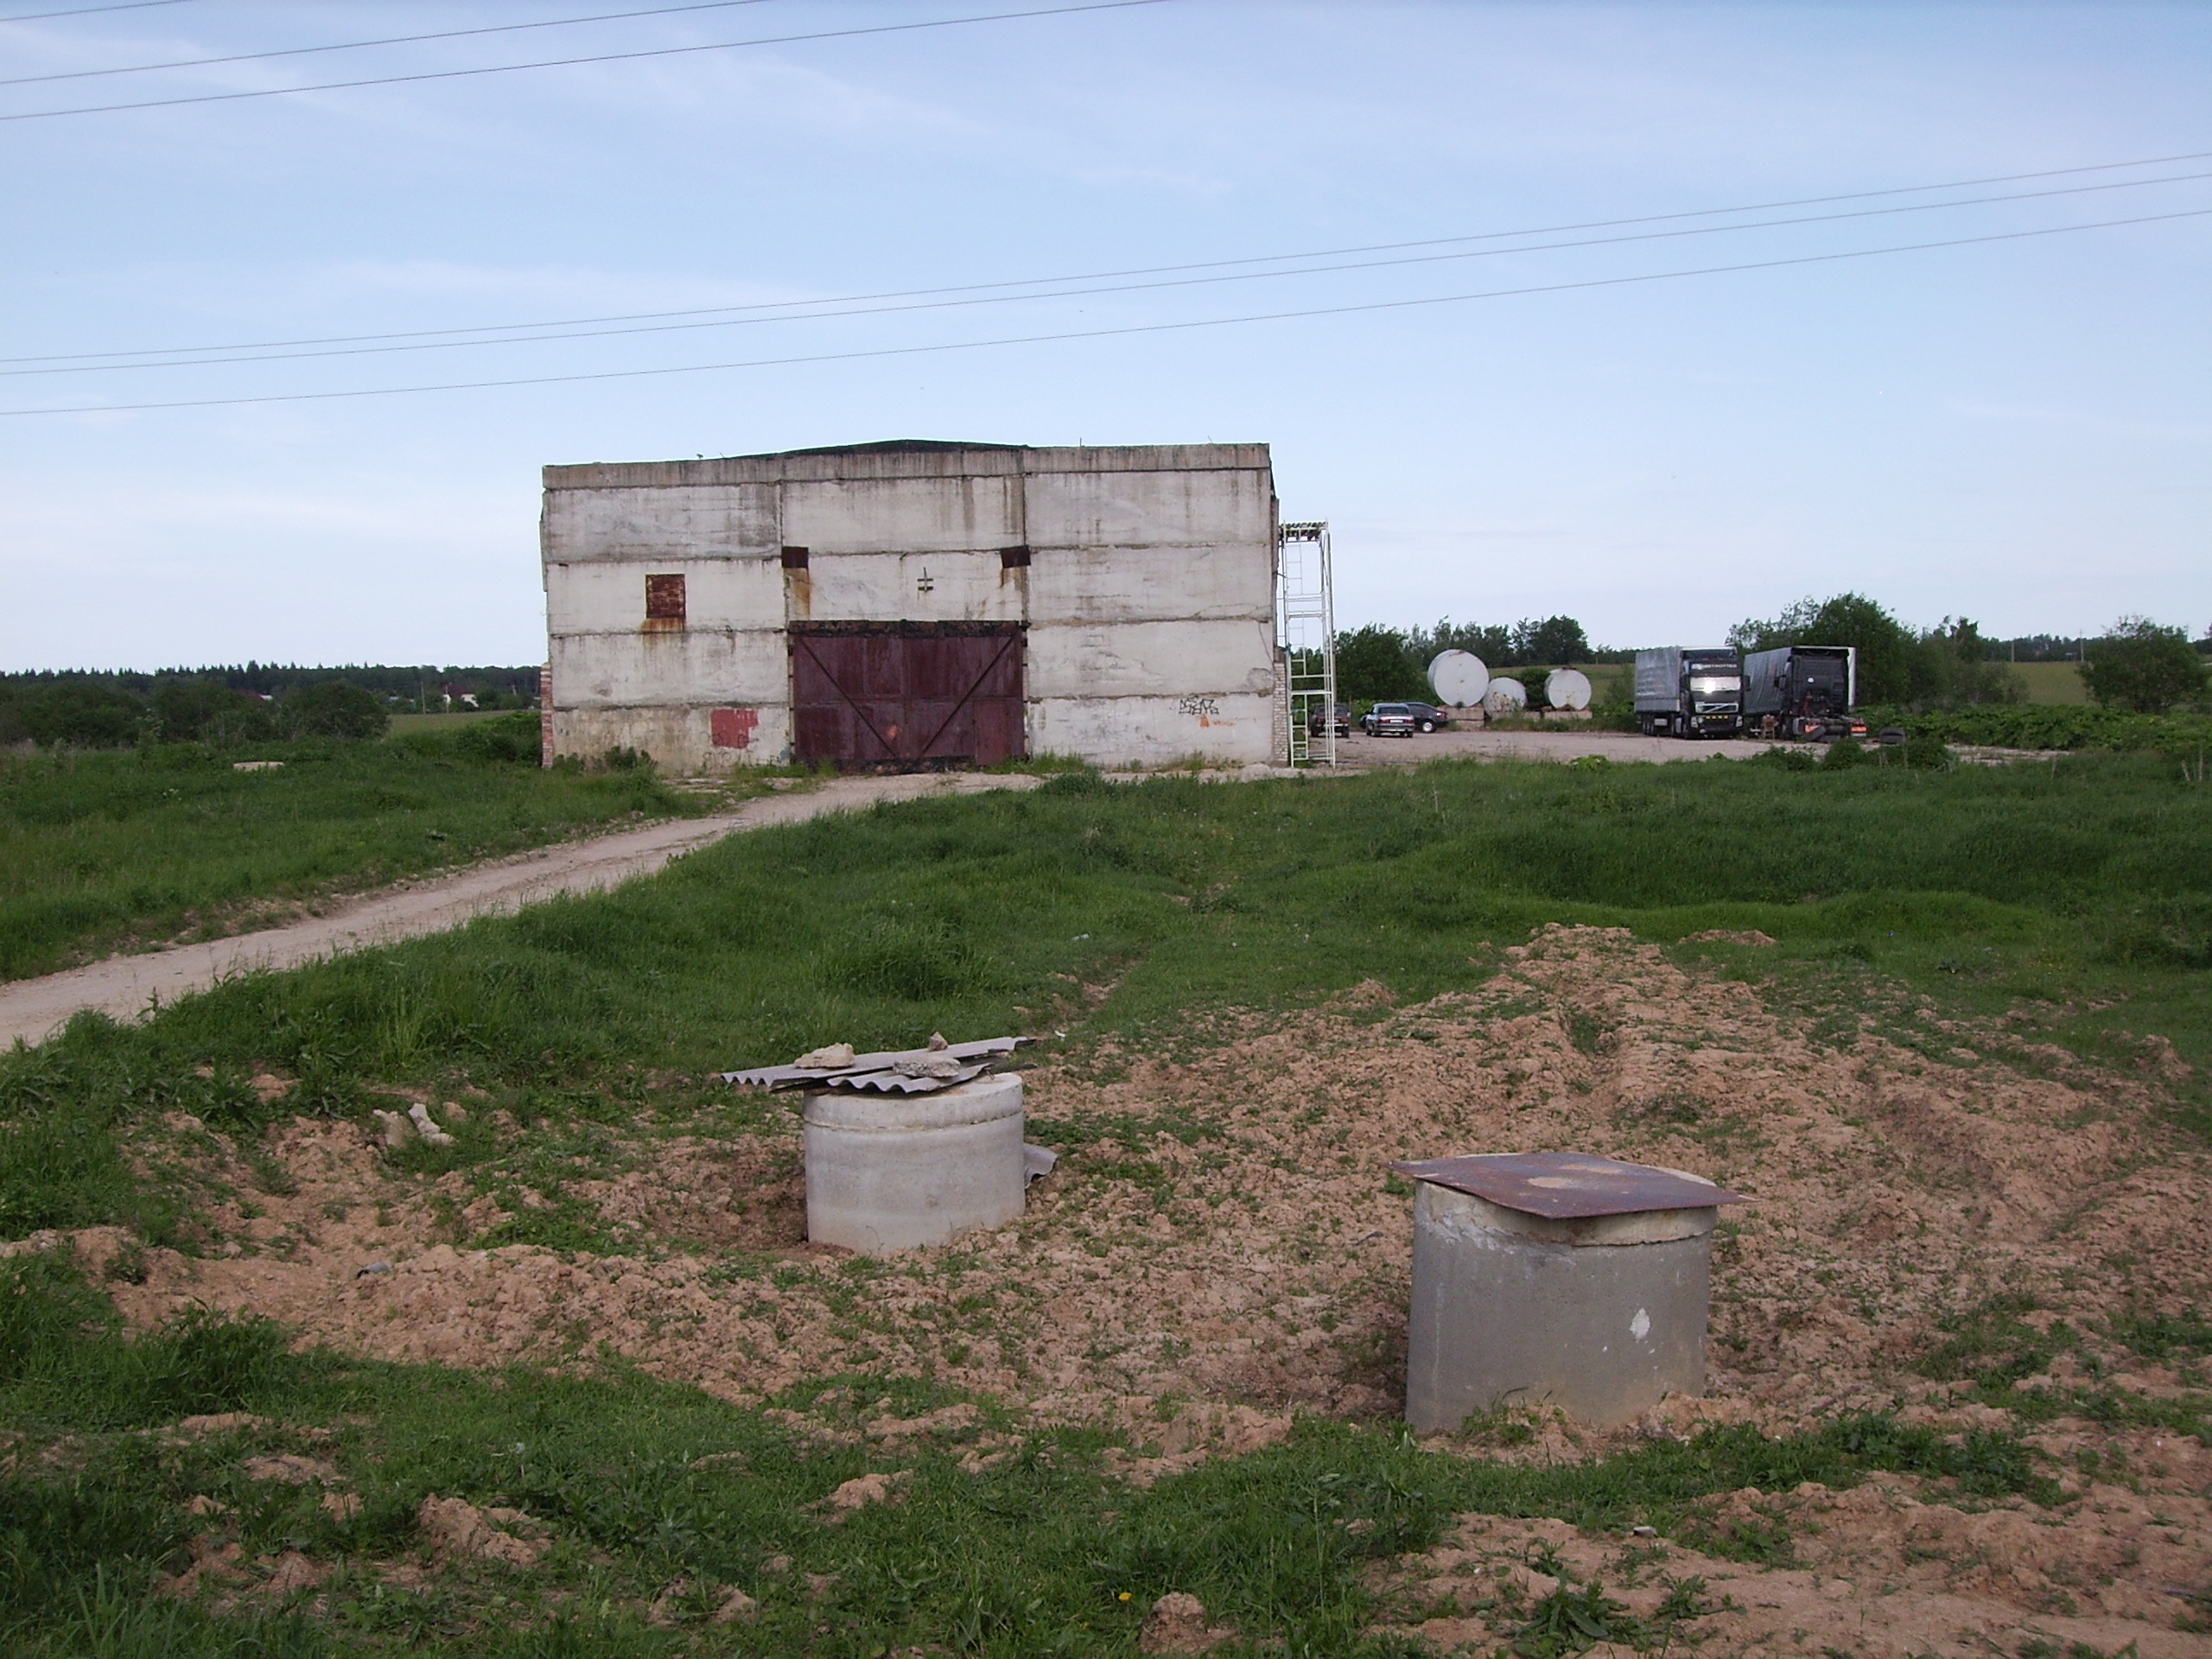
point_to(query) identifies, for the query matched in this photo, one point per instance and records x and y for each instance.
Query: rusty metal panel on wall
(906, 695)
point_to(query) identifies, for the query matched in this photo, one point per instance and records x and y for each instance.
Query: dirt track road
(124, 987)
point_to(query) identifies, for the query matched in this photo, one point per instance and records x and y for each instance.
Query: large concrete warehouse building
(916, 604)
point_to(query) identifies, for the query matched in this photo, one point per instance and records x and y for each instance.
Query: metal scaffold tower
(1305, 630)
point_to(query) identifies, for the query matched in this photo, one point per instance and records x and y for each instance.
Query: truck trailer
(1803, 691)
(1689, 693)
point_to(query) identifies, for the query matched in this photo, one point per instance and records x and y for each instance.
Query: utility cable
(1124, 332)
(86, 11)
(1117, 288)
(597, 57)
(356, 45)
(519, 328)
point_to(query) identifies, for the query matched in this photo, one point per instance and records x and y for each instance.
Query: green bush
(1927, 752)
(511, 740)
(1844, 753)
(336, 708)
(2144, 667)
(2054, 726)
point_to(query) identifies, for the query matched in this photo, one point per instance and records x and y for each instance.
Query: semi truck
(1806, 692)
(1689, 693)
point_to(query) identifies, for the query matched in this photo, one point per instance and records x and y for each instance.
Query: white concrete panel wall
(680, 739)
(1154, 731)
(1140, 584)
(911, 515)
(887, 587)
(672, 522)
(1182, 509)
(583, 597)
(1158, 659)
(634, 669)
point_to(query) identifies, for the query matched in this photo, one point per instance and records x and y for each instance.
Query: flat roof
(899, 458)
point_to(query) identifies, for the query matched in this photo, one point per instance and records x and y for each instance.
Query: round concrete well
(895, 1171)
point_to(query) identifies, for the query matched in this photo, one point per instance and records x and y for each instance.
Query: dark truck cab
(1689, 693)
(1806, 692)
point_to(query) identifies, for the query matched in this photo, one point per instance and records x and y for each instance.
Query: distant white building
(916, 604)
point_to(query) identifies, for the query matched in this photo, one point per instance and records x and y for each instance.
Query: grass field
(2051, 681)
(1128, 916)
(452, 720)
(106, 851)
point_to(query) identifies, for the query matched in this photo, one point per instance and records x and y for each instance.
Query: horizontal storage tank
(1556, 1279)
(893, 1171)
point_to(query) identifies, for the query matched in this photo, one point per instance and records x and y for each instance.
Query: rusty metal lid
(1568, 1185)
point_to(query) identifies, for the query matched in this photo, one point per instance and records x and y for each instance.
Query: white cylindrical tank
(1601, 1315)
(1506, 695)
(889, 1173)
(1567, 688)
(1458, 678)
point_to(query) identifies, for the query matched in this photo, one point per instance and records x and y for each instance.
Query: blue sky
(2018, 431)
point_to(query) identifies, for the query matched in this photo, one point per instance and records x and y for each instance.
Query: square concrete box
(1556, 1278)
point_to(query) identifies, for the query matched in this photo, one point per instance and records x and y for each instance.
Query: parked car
(1315, 725)
(1427, 717)
(1389, 720)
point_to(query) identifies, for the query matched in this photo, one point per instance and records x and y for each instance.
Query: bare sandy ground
(1219, 1250)
(126, 987)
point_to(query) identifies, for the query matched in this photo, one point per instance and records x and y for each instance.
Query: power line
(356, 45)
(1119, 287)
(1102, 275)
(1109, 333)
(599, 57)
(86, 11)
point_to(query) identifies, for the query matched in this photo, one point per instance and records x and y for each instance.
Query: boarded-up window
(664, 601)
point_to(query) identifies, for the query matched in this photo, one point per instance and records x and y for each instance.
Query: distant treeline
(242, 703)
(2136, 664)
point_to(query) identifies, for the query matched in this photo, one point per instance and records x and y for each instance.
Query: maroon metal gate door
(905, 695)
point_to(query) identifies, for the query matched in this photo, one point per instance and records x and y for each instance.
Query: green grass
(2078, 897)
(2051, 681)
(641, 1483)
(101, 851)
(451, 721)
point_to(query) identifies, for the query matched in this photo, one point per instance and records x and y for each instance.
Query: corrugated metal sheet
(883, 1061)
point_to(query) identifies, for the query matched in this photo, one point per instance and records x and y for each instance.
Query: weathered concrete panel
(1153, 731)
(606, 598)
(1170, 659)
(682, 522)
(696, 666)
(680, 738)
(1151, 509)
(924, 515)
(887, 588)
(1142, 584)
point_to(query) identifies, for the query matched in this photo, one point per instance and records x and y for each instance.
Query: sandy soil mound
(1219, 1248)
(1882, 1574)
